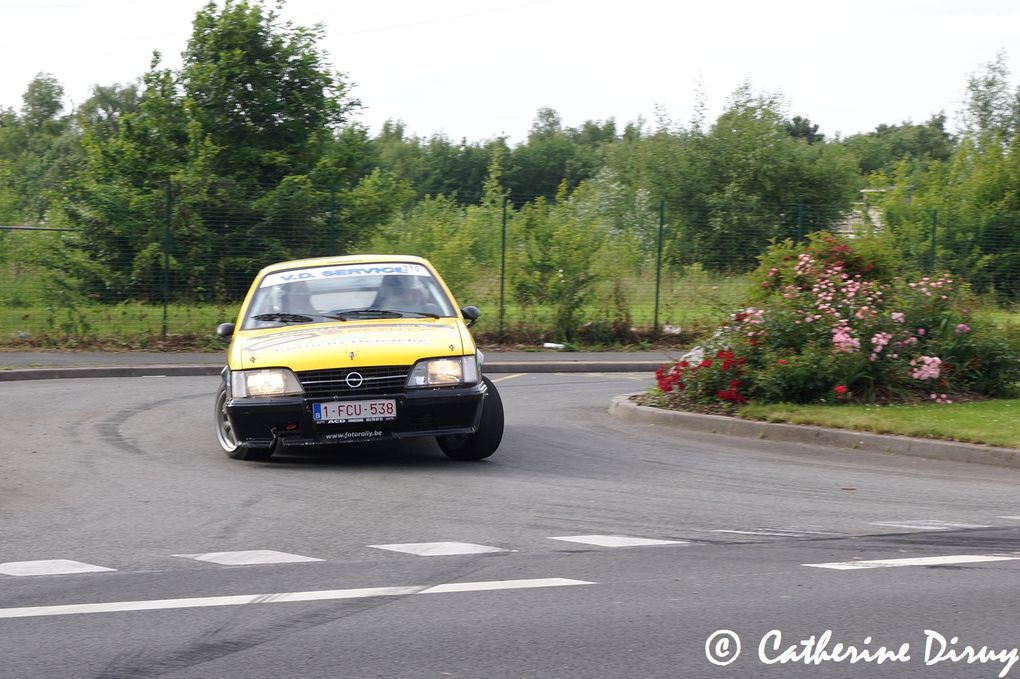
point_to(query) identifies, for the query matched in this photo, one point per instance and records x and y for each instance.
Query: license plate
(355, 411)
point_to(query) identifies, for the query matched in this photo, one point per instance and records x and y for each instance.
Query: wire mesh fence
(583, 270)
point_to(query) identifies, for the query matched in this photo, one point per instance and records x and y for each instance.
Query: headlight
(444, 372)
(268, 382)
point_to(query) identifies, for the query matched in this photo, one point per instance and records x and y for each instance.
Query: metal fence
(577, 275)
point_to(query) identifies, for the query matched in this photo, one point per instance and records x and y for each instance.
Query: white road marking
(50, 567)
(616, 540)
(927, 525)
(506, 377)
(283, 597)
(440, 548)
(776, 532)
(921, 561)
(1014, 518)
(249, 557)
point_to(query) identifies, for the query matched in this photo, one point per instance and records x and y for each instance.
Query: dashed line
(779, 533)
(927, 525)
(283, 597)
(919, 561)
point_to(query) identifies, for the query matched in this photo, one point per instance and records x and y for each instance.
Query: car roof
(342, 259)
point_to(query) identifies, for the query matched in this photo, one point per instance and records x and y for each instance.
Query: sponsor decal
(326, 272)
(381, 335)
(354, 435)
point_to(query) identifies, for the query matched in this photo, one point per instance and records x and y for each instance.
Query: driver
(400, 293)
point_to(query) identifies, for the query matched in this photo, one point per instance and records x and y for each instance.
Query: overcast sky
(481, 68)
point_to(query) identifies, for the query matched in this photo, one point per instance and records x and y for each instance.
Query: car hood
(350, 343)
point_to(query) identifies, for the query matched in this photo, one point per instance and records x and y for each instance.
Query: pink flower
(897, 316)
(920, 332)
(962, 329)
(926, 367)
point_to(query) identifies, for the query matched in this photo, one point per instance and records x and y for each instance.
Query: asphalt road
(192, 565)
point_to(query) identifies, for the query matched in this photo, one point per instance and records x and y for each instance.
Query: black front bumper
(261, 422)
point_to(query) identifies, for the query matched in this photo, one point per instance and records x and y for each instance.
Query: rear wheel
(226, 437)
(483, 442)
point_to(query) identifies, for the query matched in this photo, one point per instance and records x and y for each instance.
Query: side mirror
(471, 313)
(225, 330)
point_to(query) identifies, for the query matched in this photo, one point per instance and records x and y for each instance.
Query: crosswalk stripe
(440, 548)
(616, 541)
(919, 561)
(249, 557)
(50, 567)
(283, 597)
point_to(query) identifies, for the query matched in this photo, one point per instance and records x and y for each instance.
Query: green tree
(261, 90)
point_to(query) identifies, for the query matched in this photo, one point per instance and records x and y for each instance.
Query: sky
(478, 69)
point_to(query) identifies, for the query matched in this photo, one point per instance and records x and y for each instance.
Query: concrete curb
(932, 449)
(214, 369)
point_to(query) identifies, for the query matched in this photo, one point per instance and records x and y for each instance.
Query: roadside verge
(622, 407)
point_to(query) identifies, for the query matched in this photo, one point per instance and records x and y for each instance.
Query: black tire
(483, 442)
(225, 434)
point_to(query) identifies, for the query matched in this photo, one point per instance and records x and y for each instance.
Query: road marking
(616, 541)
(50, 567)
(1014, 518)
(284, 597)
(249, 557)
(927, 525)
(777, 532)
(440, 548)
(507, 377)
(922, 561)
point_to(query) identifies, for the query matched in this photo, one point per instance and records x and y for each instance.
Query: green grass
(995, 422)
(128, 325)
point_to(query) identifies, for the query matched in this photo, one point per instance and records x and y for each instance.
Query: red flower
(840, 389)
(706, 363)
(782, 361)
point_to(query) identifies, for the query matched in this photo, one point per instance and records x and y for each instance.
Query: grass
(994, 422)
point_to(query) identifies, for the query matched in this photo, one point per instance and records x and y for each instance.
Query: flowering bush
(836, 320)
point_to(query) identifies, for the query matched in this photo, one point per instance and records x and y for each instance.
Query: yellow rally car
(354, 349)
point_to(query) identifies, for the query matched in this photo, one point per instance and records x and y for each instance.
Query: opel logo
(354, 380)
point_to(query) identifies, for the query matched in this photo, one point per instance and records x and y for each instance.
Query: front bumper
(262, 422)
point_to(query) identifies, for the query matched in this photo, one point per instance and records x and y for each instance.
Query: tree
(991, 109)
(245, 142)
(260, 90)
(802, 128)
(882, 149)
(43, 100)
(554, 154)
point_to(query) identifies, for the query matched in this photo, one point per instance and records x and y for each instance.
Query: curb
(932, 449)
(206, 370)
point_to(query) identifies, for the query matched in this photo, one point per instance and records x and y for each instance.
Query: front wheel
(225, 434)
(485, 440)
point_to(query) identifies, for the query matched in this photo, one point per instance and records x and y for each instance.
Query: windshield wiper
(285, 318)
(371, 312)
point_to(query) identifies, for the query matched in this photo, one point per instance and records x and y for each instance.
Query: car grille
(335, 383)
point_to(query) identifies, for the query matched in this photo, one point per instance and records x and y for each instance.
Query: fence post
(934, 227)
(331, 221)
(166, 255)
(658, 268)
(502, 272)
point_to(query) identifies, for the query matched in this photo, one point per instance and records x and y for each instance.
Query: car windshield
(347, 292)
